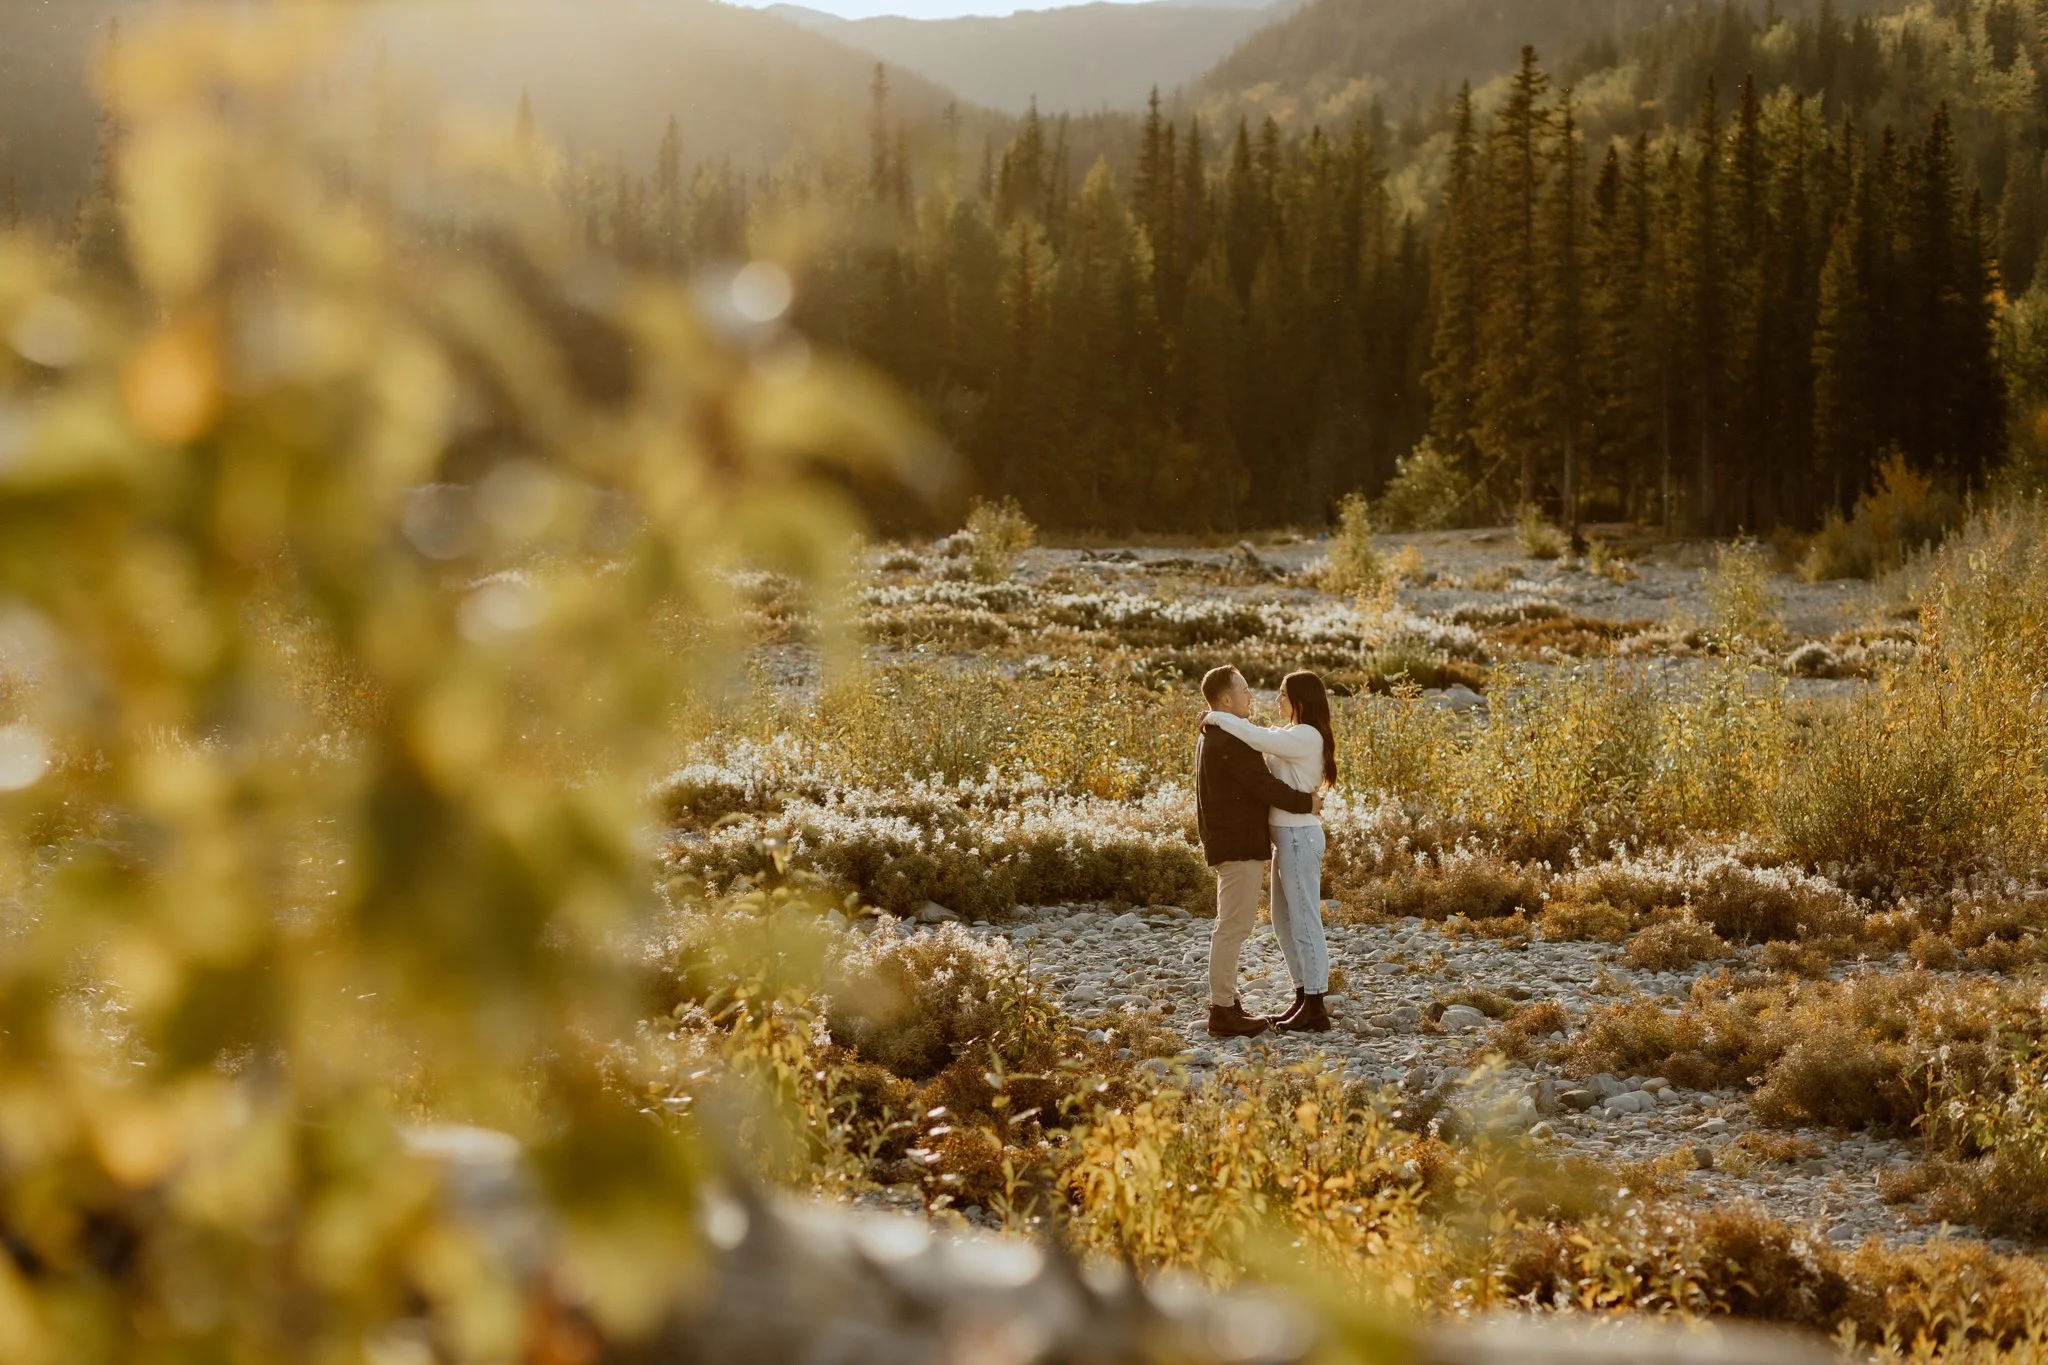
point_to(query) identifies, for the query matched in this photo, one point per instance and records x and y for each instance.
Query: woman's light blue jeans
(1297, 896)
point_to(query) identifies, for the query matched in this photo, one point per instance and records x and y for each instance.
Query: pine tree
(1561, 370)
(100, 234)
(668, 196)
(1018, 393)
(1845, 434)
(526, 149)
(880, 175)
(1026, 171)
(1626, 326)
(1511, 424)
(1244, 216)
(1154, 185)
(1705, 317)
(1195, 207)
(2022, 221)
(1792, 256)
(1454, 378)
(1751, 395)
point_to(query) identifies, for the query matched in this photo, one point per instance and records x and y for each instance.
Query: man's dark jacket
(1233, 793)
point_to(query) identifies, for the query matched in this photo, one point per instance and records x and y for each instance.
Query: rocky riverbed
(1102, 966)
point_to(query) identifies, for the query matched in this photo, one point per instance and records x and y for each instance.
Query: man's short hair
(1216, 682)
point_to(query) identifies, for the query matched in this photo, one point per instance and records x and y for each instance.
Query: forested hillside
(1710, 273)
(1793, 265)
(1330, 58)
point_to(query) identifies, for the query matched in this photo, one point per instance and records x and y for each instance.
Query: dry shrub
(877, 1102)
(1427, 493)
(1780, 1148)
(1743, 607)
(1991, 1116)
(1860, 1051)
(1019, 1094)
(1198, 1180)
(1464, 883)
(1516, 1037)
(2003, 1193)
(967, 1163)
(1564, 636)
(1405, 567)
(1754, 905)
(1000, 534)
(1353, 565)
(706, 954)
(1804, 959)
(1894, 930)
(1947, 1292)
(1735, 1261)
(917, 1003)
(1903, 513)
(1758, 1267)
(1537, 534)
(1562, 761)
(1491, 1003)
(1932, 950)
(1506, 929)
(1904, 1184)
(1674, 945)
(1850, 1054)
(1883, 788)
(1597, 921)
(1999, 929)
(1697, 1048)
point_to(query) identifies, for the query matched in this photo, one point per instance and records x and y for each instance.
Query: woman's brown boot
(1312, 1017)
(1291, 1010)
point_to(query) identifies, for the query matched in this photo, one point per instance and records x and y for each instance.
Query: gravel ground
(1668, 587)
(1096, 962)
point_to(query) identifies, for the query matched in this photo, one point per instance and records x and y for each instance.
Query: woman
(1302, 752)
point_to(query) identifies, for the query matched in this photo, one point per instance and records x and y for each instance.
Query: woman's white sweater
(1294, 754)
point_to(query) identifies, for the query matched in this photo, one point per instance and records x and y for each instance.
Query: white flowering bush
(977, 850)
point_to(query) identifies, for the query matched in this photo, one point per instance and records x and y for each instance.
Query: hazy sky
(915, 9)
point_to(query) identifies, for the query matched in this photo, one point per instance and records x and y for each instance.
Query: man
(1233, 795)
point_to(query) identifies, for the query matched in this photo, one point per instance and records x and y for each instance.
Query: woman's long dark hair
(1311, 703)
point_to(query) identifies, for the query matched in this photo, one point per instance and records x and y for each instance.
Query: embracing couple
(1259, 803)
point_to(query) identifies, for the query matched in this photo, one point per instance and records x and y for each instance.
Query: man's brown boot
(1312, 1017)
(1230, 1021)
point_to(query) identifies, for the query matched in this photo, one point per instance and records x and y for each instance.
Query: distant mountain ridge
(1078, 58)
(604, 78)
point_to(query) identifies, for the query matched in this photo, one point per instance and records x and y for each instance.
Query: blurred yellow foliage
(354, 576)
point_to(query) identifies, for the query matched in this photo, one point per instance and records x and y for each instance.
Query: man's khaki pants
(1237, 909)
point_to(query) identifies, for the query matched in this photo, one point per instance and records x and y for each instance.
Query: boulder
(1578, 1099)
(1461, 698)
(931, 912)
(1461, 1018)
